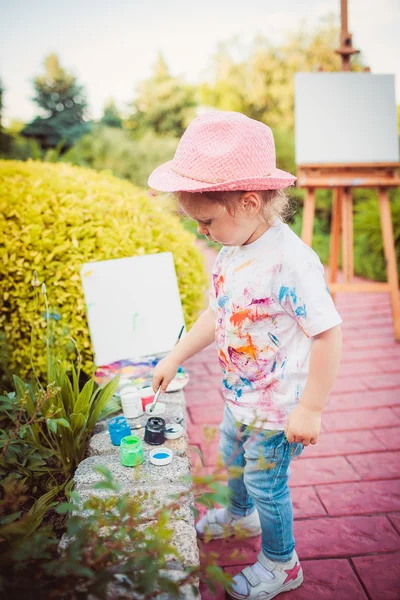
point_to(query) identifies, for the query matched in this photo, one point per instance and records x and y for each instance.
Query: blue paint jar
(118, 428)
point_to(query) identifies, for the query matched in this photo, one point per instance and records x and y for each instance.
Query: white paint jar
(146, 391)
(131, 402)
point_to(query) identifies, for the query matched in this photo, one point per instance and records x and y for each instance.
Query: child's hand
(303, 425)
(164, 373)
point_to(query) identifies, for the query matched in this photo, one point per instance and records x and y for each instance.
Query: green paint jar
(131, 451)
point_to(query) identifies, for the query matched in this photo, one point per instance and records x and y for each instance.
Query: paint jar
(157, 411)
(118, 428)
(131, 403)
(146, 391)
(154, 432)
(147, 400)
(128, 388)
(131, 451)
(124, 382)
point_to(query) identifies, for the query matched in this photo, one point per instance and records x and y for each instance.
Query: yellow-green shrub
(55, 217)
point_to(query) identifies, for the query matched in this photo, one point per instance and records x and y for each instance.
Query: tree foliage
(63, 106)
(111, 116)
(164, 104)
(260, 83)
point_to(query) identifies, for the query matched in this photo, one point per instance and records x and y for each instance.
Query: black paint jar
(154, 432)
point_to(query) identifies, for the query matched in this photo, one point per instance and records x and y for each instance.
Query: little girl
(276, 329)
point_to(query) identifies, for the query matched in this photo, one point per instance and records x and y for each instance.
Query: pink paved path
(346, 489)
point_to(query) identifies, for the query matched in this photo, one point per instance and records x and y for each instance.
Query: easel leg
(390, 256)
(308, 216)
(335, 236)
(347, 241)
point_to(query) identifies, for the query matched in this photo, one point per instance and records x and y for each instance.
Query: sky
(112, 45)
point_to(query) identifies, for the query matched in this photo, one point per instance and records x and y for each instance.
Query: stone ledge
(173, 473)
(155, 499)
(160, 482)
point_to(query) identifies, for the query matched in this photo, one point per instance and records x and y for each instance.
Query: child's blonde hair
(275, 203)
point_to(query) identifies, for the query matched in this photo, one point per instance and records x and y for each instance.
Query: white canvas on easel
(133, 306)
(345, 118)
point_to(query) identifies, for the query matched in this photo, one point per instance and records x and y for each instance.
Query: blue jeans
(263, 458)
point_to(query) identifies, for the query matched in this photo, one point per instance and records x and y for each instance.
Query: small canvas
(345, 118)
(133, 306)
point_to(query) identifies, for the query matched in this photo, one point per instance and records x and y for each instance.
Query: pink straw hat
(222, 151)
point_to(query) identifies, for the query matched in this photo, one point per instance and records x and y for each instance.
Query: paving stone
(345, 536)
(201, 434)
(394, 518)
(231, 551)
(85, 476)
(203, 382)
(323, 580)
(306, 503)
(391, 365)
(348, 385)
(381, 340)
(354, 369)
(377, 465)
(310, 471)
(205, 397)
(380, 575)
(363, 497)
(344, 443)
(389, 436)
(206, 415)
(355, 355)
(360, 419)
(382, 381)
(362, 400)
(207, 594)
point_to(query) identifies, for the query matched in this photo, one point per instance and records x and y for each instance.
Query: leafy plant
(111, 543)
(44, 433)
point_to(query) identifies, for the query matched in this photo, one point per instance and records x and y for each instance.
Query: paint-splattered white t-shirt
(270, 298)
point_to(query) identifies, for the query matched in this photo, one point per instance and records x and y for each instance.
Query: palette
(139, 372)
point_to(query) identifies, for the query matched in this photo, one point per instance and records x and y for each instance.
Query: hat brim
(164, 179)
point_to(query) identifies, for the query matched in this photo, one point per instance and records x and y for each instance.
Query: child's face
(217, 224)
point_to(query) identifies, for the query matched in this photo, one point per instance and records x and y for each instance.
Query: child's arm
(201, 335)
(304, 422)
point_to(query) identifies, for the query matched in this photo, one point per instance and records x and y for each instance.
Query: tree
(5, 139)
(164, 104)
(111, 116)
(63, 105)
(261, 84)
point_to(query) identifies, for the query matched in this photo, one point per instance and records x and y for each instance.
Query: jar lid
(129, 389)
(161, 456)
(117, 422)
(146, 391)
(173, 431)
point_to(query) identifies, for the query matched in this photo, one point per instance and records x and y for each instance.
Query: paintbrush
(158, 392)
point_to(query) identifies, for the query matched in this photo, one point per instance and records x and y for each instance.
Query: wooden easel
(341, 178)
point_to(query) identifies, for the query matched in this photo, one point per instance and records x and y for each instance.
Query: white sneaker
(267, 578)
(219, 523)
